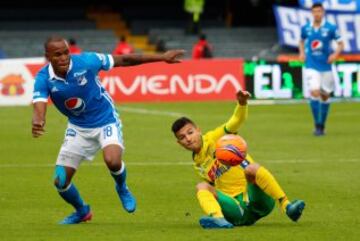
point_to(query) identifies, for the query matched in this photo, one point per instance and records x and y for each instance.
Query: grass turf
(320, 170)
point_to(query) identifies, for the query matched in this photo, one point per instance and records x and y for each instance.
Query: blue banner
(290, 20)
(334, 5)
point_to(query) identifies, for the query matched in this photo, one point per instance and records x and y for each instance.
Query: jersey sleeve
(232, 125)
(237, 119)
(97, 61)
(335, 34)
(216, 133)
(303, 33)
(41, 91)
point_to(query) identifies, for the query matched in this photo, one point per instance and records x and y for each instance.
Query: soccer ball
(231, 150)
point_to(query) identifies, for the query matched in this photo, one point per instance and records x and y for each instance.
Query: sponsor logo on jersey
(75, 105)
(217, 170)
(316, 45)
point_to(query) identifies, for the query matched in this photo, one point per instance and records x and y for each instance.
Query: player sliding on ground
(72, 83)
(231, 195)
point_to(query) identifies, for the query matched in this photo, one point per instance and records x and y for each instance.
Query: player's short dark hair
(202, 36)
(180, 123)
(51, 39)
(72, 41)
(317, 5)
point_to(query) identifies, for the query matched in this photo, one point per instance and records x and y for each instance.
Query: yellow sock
(283, 203)
(266, 181)
(209, 204)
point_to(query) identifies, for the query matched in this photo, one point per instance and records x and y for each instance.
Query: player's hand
(242, 97)
(38, 128)
(302, 57)
(172, 56)
(332, 58)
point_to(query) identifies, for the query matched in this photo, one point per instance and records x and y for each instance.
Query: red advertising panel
(188, 81)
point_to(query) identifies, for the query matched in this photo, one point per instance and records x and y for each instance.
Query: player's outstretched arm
(170, 57)
(38, 119)
(243, 96)
(240, 112)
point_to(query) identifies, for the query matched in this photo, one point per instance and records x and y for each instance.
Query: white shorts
(323, 81)
(83, 143)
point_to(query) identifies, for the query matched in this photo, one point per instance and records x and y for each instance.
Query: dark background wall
(238, 12)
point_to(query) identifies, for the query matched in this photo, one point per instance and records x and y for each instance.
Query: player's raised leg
(70, 194)
(214, 218)
(112, 157)
(260, 176)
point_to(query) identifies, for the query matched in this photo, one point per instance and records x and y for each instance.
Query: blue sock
(324, 110)
(72, 196)
(315, 109)
(120, 176)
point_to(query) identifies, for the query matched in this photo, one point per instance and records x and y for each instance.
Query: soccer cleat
(82, 215)
(294, 209)
(127, 199)
(211, 222)
(319, 130)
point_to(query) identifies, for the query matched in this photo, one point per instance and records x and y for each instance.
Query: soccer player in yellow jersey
(231, 196)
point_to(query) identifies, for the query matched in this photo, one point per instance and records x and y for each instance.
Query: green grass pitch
(323, 171)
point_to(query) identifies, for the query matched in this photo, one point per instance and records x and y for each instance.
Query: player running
(72, 83)
(231, 196)
(315, 50)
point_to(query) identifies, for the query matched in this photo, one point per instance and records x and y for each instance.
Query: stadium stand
(227, 42)
(19, 44)
(23, 31)
(97, 28)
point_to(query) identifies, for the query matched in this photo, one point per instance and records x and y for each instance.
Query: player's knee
(315, 93)
(324, 97)
(112, 155)
(202, 186)
(250, 172)
(113, 163)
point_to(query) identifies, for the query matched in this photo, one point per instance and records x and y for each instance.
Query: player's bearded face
(189, 137)
(318, 14)
(58, 55)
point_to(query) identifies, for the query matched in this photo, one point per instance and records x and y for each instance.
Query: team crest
(324, 33)
(80, 77)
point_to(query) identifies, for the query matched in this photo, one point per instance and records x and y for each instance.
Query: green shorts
(239, 212)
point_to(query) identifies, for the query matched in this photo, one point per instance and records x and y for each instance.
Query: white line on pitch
(295, 161)
(150, 112)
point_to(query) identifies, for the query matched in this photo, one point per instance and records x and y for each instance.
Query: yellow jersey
(230, 180)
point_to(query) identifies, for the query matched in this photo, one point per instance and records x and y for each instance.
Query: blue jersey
(80, 96)
(318, 45)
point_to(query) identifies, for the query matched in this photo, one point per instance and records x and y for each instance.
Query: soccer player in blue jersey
(72, 83)
(315, 50)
